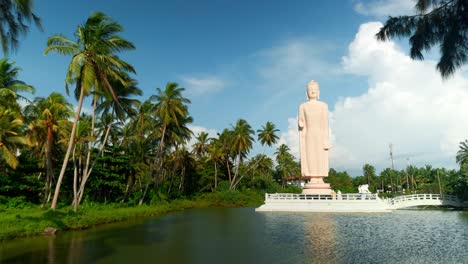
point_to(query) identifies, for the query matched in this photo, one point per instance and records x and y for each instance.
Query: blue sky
(252, 60)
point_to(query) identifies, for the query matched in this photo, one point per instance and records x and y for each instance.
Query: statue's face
(313, 91)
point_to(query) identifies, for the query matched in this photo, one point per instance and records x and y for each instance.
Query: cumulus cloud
(406, 104)
(291, 137)
(203, 85)
(385, 8)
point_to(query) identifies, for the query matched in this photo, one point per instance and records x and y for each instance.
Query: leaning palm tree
(15, 16)
(462, 154)
(11, 136)
(92, 66)
(48, 118)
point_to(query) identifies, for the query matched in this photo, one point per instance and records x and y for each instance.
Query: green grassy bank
(31, 220)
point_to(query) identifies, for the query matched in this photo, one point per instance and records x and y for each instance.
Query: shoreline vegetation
(32, 220)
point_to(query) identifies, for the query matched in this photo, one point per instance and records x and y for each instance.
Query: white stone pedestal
(317, 186)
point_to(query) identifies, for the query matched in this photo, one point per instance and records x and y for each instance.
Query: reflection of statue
(313, 137)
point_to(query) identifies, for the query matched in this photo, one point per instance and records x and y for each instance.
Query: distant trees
(437, 22)
(462, 154)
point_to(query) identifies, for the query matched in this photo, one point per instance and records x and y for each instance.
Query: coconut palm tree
(93, 65)
(169, 108)
(286, 165)
(15, 16)
(215, 155)
(201, 147)
(268, 134)
(462, 154)
(10, 86)
(48, 119)
(242, 140)
(11, 135)
(261, 165)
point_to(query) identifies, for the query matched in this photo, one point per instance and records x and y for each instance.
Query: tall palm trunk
(157, 158)
(70, 146)
(86, 173)
(216, 176)
(236, 173)
(49, 169)
(75, 180)
(228, 168)
(103, 144)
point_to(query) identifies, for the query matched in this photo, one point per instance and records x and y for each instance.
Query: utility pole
(393, 168)
(407, 176)
(391, 154)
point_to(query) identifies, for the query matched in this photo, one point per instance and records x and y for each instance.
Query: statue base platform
(344, 203)
(317, 186)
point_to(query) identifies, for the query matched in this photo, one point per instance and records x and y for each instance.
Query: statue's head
(313, 91)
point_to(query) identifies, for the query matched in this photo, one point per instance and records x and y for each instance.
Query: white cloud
(291, 137)
(385, 8)
(202, 85)
(407, 104)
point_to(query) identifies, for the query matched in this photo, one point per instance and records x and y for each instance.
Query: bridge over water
(405, 201)
(352, 202)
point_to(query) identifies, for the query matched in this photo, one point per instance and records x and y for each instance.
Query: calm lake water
(241, 235)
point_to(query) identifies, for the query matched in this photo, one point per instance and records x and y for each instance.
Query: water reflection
(320, 238)
(242, 236)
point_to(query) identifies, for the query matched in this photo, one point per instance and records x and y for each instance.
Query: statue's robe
(313, 137)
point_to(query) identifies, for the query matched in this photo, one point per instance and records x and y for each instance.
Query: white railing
(397, 202)
(302, 197)
(451, 199)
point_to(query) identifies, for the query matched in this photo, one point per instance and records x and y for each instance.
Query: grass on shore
(31, 221)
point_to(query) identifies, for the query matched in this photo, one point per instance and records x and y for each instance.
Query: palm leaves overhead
(268, 134)
(93, 54)
(14, 17)
(286, 165)
(171, 110)
(48, 124)
(94, 67)
(242, 138)
(125, 104)
(437, 22)
(201, 147)
(170, 104)
(462, 154)
(11, 136)
(10, 86)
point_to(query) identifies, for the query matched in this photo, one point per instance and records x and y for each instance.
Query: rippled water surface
(242, 236)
